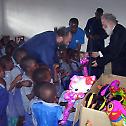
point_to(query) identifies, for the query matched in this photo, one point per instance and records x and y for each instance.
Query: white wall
(29, 17)
(1, 17)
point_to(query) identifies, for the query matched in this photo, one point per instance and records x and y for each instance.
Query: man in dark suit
(115, 52)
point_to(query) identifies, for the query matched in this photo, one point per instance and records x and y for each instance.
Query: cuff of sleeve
(100, 54)
(100, 62)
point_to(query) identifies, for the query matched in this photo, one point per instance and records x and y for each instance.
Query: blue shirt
(46, 114)
(43, 47)
(4, 97)
(77, 38)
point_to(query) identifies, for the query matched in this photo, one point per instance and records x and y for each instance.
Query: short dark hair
(18, 52)
(26, 62)
(4, 60)
(62, 31)
(40, 74)
(100, 10)
(74, 21)
(9, 49)
(40, 91)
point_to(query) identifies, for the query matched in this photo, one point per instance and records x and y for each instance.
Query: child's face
(9, 65)
(19, 57)
(33, 66)
(76, 56)
(2, 73)
(64, 55)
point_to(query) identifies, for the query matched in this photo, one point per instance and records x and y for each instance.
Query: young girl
(3, 99)
(44, 109)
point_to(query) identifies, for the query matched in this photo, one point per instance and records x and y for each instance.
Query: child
(9, 49)
(75, 62)
(57, 80)
(3, 99)
(28, 65)
(45, 110)
(65, 68)
(18, 55)
(12, 76)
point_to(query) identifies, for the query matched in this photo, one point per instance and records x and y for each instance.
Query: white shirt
(24, 92)
(8, 79)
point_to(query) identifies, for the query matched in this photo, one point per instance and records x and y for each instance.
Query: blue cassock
(43, 47)
(4, 97)
(46, 114)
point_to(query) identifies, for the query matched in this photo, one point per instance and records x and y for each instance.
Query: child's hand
(72, 110)
(15, 82)
(63, 103)
(18, 85)
(18, 78)
(26, 83)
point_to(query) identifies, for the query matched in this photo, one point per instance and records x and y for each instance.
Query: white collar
(48, 104)
(2, 86)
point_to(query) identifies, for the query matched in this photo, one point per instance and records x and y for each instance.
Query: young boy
(57, 80)
(18, 55)
(12, 76)
(28, 65)
(65, 68)
(9, 49)
(74, 61)
(4, 97)
(45, 110)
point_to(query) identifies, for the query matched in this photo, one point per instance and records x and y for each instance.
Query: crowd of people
(35, 75)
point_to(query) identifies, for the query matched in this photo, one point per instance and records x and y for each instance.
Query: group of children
(30, 95)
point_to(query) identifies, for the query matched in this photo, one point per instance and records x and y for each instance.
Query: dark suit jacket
(115, 52)
(94, 28)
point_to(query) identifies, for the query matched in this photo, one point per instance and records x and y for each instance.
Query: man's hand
(94, 64)
(95, 54)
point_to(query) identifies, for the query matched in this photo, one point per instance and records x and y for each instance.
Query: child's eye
(88, 90)
(76, 89)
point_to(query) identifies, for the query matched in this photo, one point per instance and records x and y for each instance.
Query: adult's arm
(114, 49)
